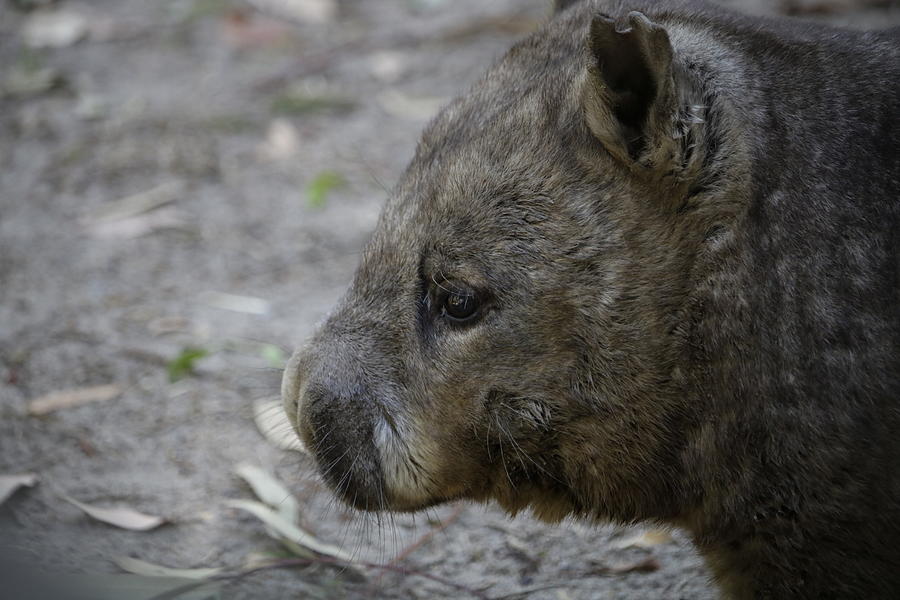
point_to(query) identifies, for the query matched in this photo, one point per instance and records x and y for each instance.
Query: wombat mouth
(347, 444)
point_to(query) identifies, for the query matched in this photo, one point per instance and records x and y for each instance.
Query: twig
(529, 590)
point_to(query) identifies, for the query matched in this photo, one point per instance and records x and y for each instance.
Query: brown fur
(682, 231)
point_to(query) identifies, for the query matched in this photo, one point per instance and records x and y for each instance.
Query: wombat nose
(324, 412)
(338, 429)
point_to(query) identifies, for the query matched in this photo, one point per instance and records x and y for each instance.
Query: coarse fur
(682, 230)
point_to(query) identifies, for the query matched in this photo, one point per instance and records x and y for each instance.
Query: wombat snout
(335, 419)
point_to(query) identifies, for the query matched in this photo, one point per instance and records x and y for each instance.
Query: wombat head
(515, 329)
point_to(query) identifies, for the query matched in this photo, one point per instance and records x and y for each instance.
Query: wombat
(647, 268)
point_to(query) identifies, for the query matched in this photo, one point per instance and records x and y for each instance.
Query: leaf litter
(63, 399)
(54, 29)
(120, 516)
(273, 423)
(185, 363)
(250, 305)
(9, 484)
(137, 214)
(135, 204)
(321, 186)
(646, 539)
(141, 567)
(271, 491)
(299, 541)
(310, 11)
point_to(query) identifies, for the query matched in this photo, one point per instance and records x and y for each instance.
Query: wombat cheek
(405, 467)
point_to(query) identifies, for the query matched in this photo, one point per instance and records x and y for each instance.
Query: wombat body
(648, 267)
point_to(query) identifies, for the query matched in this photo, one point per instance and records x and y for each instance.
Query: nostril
(291, 378)
(323, 414)
(294, 393)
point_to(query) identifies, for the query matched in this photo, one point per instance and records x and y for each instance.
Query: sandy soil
(228, 117)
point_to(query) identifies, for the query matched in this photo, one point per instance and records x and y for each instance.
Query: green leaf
(273, 355)
(318, 189)
(183, 364)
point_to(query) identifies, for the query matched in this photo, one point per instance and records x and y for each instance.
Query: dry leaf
(20, 81)
(414, 108)
(124, 517)
(168, 324)
(271, 491)
(313, 11)
(71, 398)
(243, 304)
(136, 204)
(282, 141)
(140, 567)
(140, 225)
(288, 531)
(388, 65)
(646, 565)
(56, 29)
(10, 483)
(244, 30)
(275, 426)
(645, 539)
(255, 560)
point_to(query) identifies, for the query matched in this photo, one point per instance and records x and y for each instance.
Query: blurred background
(185, 187)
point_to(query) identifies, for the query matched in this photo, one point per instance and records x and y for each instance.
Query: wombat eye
(460, 306)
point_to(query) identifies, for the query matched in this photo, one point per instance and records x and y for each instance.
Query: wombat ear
(629, 97)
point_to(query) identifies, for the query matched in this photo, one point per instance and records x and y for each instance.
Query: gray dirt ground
(184, 93)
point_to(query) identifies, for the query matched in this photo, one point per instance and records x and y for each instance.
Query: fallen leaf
(414, 108)
(91, 107)
(322, 184)
(312, 11)
(140, 567)
(255, 560)
(244, 304)
(136, 204)
(646, 565)
(271, 491)
(124, 517)
(274, 425)
(282, 141)
(388, 65)
(22, 81)
(288, 531)
(10, 483)
(273, 355)
(140, 225)
(54, 29)
(645, 539)
(168, 324)
(184, 363)
(297, 100)
(71, 398)
(244, 30)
